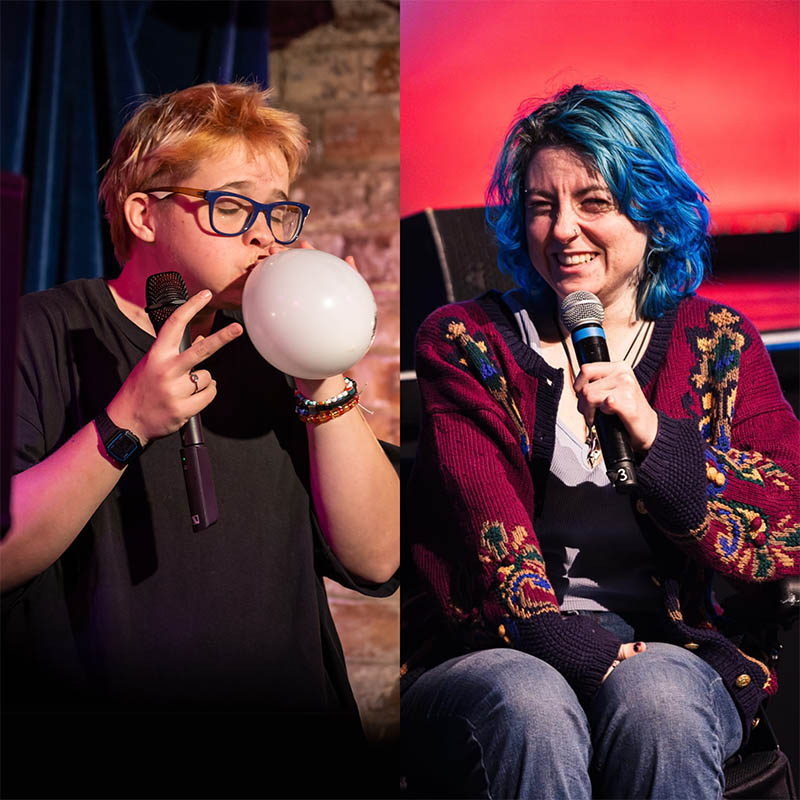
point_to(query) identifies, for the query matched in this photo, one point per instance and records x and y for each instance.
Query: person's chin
(575, 283)
(231, 303)
(231, 296)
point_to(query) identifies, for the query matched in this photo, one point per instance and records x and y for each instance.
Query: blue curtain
(72, 73)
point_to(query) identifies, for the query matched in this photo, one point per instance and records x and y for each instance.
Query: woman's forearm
(51, 502)
(356, 491)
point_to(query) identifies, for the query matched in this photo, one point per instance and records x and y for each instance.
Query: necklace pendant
(593, 443)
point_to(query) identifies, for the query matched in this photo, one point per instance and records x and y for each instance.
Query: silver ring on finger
(196, 381)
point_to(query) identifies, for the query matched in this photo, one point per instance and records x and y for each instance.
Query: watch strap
(121, 444)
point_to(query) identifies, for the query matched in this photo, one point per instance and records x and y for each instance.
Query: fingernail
(638, 647)
(205, 294)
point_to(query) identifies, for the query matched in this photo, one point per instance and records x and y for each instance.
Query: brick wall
(342, 77)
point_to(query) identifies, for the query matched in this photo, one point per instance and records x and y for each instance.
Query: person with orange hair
(120, 622)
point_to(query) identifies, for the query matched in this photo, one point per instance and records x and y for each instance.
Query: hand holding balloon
(308, 313)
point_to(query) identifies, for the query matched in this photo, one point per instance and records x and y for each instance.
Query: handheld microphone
(165, 291)
(582, 315)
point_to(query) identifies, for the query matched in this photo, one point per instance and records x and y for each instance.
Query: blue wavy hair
(623, 138)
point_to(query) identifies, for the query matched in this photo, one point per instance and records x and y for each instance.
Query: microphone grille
(581, 308)
(164, 291)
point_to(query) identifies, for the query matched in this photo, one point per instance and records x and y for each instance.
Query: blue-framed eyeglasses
(232, 214)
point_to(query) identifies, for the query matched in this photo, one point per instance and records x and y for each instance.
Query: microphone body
(582, 315)
(165, 292)
(196, 463)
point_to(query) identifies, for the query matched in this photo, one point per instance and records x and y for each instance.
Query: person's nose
(566, 226)
(259, 234)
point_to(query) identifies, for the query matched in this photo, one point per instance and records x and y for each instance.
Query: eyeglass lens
(231, 214)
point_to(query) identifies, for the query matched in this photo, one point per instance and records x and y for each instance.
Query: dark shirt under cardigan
(718, 490)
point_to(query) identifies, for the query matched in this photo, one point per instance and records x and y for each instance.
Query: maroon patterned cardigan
(718, 491)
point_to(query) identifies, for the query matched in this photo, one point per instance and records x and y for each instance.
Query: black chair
(763, 614)
(448, 255)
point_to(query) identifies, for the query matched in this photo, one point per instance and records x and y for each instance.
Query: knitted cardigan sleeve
(721, 479)
(473, 498)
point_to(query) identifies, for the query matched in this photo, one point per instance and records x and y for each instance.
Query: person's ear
(138, 210)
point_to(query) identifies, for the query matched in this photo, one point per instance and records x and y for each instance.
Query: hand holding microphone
(160, 396)
(608, 393)
(166, 292)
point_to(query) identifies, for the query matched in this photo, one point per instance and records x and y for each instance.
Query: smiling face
(577, 237)
(184, 240)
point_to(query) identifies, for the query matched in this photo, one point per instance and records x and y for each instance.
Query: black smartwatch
(122, 445)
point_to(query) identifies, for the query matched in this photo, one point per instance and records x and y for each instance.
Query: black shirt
(142, 613)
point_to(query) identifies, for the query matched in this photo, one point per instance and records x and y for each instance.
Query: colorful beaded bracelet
(318, 417)
(350, 391)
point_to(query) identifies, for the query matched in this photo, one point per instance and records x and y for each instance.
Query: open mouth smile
(573, 259)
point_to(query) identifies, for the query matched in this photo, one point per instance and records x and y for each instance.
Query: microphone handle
(199, 482)
(614, 440)
(196, 465)
(192, 431)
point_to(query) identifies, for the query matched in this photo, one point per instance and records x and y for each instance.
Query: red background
(723, 74)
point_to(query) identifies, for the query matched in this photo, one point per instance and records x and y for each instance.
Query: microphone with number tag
(582, 315)
(165, 291)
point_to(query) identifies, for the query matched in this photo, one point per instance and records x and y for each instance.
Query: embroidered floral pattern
(715, 377)
(741, 535)
(751, 467)
(519, 571)
(475, 355)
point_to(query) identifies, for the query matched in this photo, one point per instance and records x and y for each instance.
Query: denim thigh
(502, 723)
(495, 723)
(663, 724)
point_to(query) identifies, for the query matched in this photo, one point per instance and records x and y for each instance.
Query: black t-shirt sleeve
(37, 386)
(74, 351)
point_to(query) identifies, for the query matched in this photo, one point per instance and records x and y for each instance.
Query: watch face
(123, 446)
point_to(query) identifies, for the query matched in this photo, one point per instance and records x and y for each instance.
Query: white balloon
(309, 313)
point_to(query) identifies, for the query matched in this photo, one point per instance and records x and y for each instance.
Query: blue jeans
(504, 724)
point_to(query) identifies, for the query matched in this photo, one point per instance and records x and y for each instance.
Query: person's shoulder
(66, 299)
(49, 318)
(705, 312)
(475, 314)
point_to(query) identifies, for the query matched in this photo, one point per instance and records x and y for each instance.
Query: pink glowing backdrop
(725, 75)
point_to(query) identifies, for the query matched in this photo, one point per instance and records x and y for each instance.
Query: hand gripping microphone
(582, 315)
(165, 291)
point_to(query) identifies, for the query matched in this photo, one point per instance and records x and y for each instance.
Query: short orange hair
(168, 135)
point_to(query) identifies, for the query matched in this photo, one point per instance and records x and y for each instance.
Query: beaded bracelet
(318, 417)
(350, 391)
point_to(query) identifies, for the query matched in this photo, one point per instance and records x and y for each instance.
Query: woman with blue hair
(564, 641)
